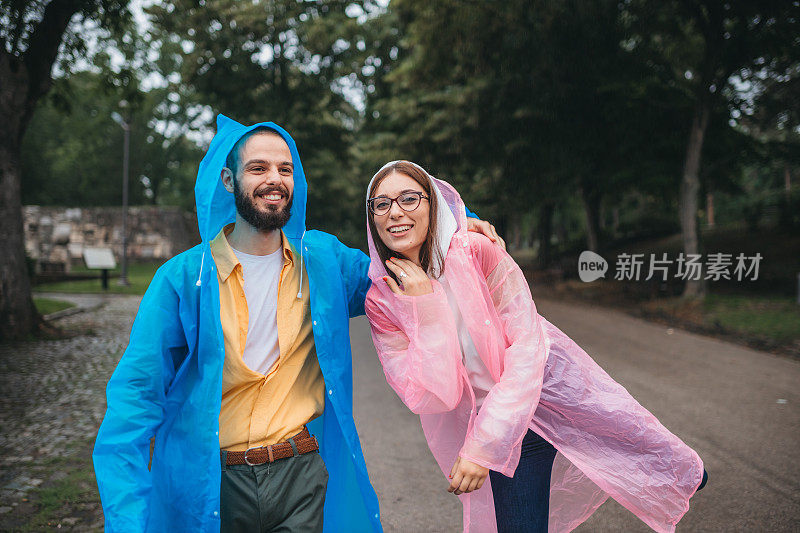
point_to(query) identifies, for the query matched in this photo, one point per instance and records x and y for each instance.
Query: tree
(81, 163)
(522, 104)
(272, 61)
(702, 47)
(31, 36)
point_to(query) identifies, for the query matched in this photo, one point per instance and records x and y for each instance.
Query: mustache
(275, 188)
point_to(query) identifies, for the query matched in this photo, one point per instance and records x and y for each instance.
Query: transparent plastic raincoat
(169, 380)
(608, 444)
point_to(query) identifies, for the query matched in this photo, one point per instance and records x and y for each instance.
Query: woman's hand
(414, 280)
(481, 226)
(466, 476)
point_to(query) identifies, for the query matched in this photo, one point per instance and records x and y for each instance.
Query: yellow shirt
(259, 410)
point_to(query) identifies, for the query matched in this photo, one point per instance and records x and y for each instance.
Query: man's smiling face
(264, 183)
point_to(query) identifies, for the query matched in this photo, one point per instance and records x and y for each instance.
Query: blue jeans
(522, 503)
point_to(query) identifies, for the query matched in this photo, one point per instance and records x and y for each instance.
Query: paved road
(736, 406)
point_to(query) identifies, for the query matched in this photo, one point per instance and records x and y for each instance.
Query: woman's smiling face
(402, 231)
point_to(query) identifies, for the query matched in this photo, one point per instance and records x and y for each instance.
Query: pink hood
(608, 444)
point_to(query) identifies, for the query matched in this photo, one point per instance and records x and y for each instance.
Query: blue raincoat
(169, 380)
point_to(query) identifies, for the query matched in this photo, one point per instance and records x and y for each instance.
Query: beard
(265, 221)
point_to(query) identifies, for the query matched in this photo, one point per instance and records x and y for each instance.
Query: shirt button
(488, 322)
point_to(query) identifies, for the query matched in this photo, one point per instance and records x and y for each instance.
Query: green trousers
(285, 496)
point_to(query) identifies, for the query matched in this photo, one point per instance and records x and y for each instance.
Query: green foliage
(528, 102)
(72, 151)
(581, 104)
(272, 61)
(507, 103)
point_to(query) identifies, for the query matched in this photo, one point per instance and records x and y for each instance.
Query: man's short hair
(234, 159)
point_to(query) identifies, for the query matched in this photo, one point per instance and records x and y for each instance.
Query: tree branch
(45, 41)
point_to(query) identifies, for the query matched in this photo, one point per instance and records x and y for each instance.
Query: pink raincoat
(608, 444)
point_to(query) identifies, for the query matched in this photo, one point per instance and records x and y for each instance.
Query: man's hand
(414, 280)
(481, 226)
(466, 476)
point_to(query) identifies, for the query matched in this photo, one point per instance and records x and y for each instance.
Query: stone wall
(56, 236)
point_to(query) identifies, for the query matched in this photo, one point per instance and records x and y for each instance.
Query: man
(238, 355)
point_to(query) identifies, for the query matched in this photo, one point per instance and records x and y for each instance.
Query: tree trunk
(591, 208)
(23, 81)
(710, 209)
(18, 316)
(545, 230)
(515, 235)
(690, 187)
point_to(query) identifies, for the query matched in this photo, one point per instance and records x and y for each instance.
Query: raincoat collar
(215, 205)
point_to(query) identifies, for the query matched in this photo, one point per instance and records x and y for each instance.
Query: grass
(68, 496)
(59, 499)
(774, 318)
(139, 276)
(46, 306)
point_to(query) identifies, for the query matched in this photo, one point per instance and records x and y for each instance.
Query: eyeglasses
(408, 201)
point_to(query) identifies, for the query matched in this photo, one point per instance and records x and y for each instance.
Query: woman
(461, 343)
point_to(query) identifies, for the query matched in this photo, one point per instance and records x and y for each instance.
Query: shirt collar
(226, 259)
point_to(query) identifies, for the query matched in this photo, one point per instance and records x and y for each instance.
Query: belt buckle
(269, 451)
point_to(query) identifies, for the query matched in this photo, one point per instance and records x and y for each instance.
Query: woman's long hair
(430, 248)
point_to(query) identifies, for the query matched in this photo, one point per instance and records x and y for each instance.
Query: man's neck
(245, 238)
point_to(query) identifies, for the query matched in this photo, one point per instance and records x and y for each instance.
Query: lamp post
(123, 277)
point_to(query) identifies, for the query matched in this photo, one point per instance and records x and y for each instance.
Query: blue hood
(215, 205)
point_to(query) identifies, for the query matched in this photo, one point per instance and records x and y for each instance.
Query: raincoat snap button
(315, 322)
(330, 391)
(488, 322)
(216, 513)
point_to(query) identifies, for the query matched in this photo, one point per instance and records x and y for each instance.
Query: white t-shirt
(261, 275)
(479, 376)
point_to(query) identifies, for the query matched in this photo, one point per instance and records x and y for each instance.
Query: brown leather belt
(304, 441)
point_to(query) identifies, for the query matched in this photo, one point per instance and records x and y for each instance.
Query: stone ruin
(56, 236)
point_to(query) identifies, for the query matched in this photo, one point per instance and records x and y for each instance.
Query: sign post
(100, 259)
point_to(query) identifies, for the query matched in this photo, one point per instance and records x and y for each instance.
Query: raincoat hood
(215, 205)
(450, 219)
